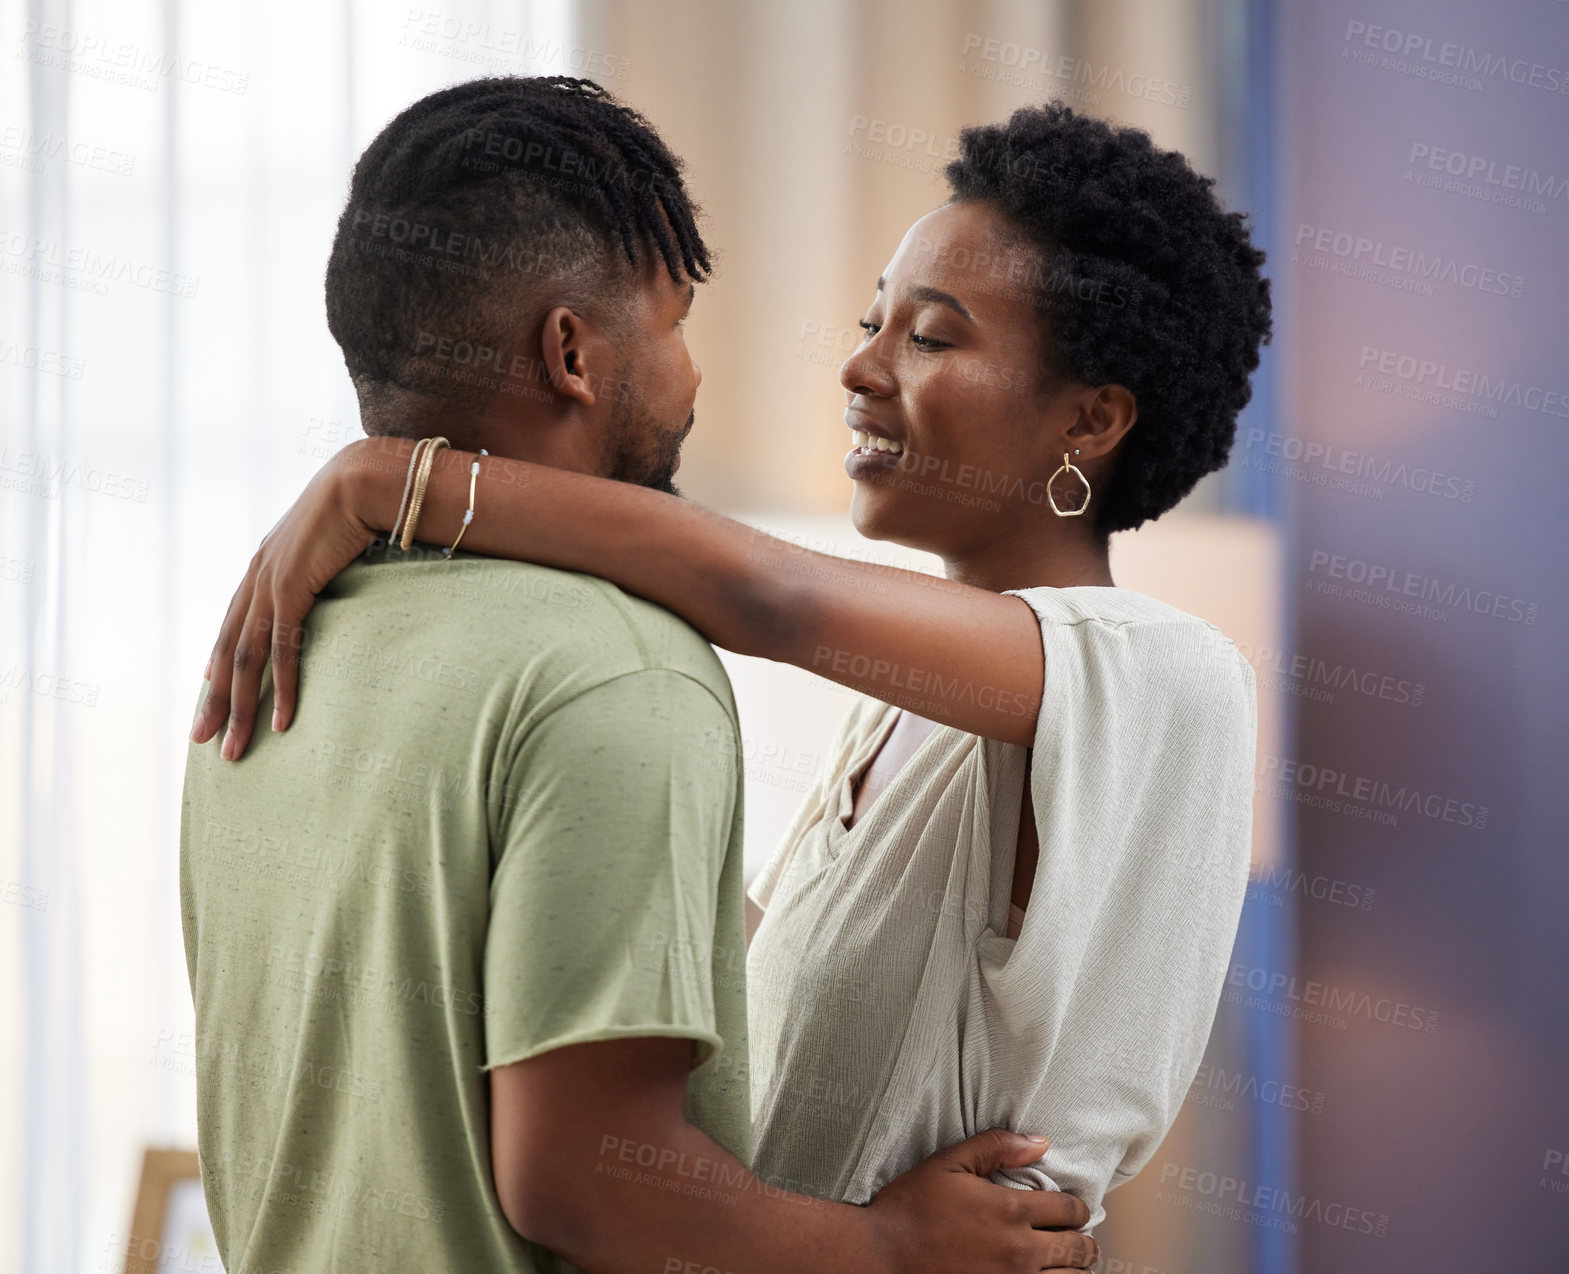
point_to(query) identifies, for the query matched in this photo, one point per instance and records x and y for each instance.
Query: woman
(1012, 893)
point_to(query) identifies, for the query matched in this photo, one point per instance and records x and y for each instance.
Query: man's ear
(567, 345)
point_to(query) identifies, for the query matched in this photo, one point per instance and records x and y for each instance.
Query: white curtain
(170, 178)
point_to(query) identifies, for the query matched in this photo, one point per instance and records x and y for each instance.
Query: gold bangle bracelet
(408, 485)
(469, 515)
(417, 501)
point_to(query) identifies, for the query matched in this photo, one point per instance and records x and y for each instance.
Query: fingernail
(1033, 1137)
(228, 745)
(277, 719)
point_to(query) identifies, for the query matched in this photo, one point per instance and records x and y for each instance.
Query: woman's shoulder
(1166, 641)
(1113, 607)
(1102, 604)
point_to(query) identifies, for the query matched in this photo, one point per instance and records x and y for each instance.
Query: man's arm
(594, 1160)
(608, 909)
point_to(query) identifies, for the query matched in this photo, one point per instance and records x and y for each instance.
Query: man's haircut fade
(1145, 281)
(480, 207)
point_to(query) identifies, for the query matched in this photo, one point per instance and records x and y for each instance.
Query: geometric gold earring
(1068, 467)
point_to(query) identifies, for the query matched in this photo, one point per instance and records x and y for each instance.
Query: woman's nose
(866, 372)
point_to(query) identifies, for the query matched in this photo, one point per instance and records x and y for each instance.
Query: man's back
(506, 818)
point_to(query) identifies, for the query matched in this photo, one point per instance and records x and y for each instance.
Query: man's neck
(516, 432)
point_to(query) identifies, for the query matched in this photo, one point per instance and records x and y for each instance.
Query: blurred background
(1385, 1084)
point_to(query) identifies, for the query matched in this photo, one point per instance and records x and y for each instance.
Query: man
(466, 944)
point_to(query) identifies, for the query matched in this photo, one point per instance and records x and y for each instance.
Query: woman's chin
(866, 513)
(878, 515)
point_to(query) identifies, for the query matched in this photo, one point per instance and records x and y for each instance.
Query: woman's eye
(921, 342)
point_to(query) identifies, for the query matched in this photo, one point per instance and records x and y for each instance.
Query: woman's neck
(1055, 562)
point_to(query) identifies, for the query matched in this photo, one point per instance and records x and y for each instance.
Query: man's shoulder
(505, 612)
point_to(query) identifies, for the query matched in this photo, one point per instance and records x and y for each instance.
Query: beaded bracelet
(469, 515)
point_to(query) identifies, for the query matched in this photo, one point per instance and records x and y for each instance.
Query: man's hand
(944, 1214)
(594, 1159)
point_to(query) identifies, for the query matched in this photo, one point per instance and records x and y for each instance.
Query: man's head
(511, 270)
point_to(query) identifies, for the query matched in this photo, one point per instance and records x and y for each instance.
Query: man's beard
(641, 453)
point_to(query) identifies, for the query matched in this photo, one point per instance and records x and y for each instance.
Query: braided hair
(482, 206)
(1147, 283)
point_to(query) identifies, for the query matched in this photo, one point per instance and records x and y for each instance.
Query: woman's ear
(564, 346)
(1106, 413)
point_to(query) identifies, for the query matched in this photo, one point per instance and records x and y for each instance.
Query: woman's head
(1082, 289)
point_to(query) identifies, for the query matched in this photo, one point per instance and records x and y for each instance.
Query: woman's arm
(961, 656)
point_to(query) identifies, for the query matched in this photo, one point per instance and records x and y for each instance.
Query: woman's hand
(321, 534)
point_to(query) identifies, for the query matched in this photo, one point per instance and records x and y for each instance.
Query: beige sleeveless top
(890, 1014)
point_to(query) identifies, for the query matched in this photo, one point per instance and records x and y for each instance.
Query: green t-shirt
(506, 818)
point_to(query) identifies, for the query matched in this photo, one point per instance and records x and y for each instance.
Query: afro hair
(1164, 295)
